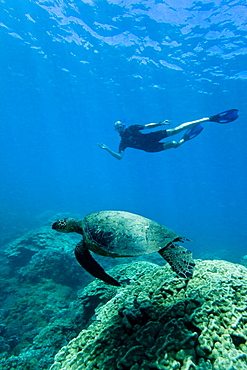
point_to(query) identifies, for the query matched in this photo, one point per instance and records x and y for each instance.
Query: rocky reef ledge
(159, 321)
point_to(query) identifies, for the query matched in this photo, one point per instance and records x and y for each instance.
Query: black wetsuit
(133, 138)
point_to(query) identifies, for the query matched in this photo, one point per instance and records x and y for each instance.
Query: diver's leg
(172, 144)
(186, 125)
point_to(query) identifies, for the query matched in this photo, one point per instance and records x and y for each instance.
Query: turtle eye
(62, 223)
(59, 224)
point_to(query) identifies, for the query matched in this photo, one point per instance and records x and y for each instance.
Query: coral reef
(160, 321)
(39, 280)
(21, 250)
(39, 311)
(154, 321)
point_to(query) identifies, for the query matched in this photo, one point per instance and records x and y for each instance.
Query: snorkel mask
(119, 124)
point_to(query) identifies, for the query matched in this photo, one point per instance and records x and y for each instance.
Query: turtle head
(67, 225)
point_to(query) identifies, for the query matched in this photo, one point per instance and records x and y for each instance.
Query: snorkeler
(132, 137)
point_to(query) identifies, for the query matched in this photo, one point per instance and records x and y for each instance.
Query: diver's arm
(114, 154)
(156, 124)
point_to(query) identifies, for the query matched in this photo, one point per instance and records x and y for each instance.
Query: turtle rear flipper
(85, 259)
(180, 260)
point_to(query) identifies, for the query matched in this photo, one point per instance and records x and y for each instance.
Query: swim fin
(192, 132)
(225, 117)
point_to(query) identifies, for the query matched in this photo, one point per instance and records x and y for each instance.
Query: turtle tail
(86, 260)
(180, 259)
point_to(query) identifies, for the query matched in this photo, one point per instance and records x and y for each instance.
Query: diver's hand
(102, 146)
(166, 122)
(114, 154)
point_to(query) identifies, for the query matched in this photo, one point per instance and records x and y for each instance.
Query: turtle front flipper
(85, 259)
(180, 260)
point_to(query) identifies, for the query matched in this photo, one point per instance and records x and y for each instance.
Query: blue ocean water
(70, 69)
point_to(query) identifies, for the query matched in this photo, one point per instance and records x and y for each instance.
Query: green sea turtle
(124, 234)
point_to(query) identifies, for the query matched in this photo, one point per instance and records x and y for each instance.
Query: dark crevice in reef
(237, 339)
(192, 328)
